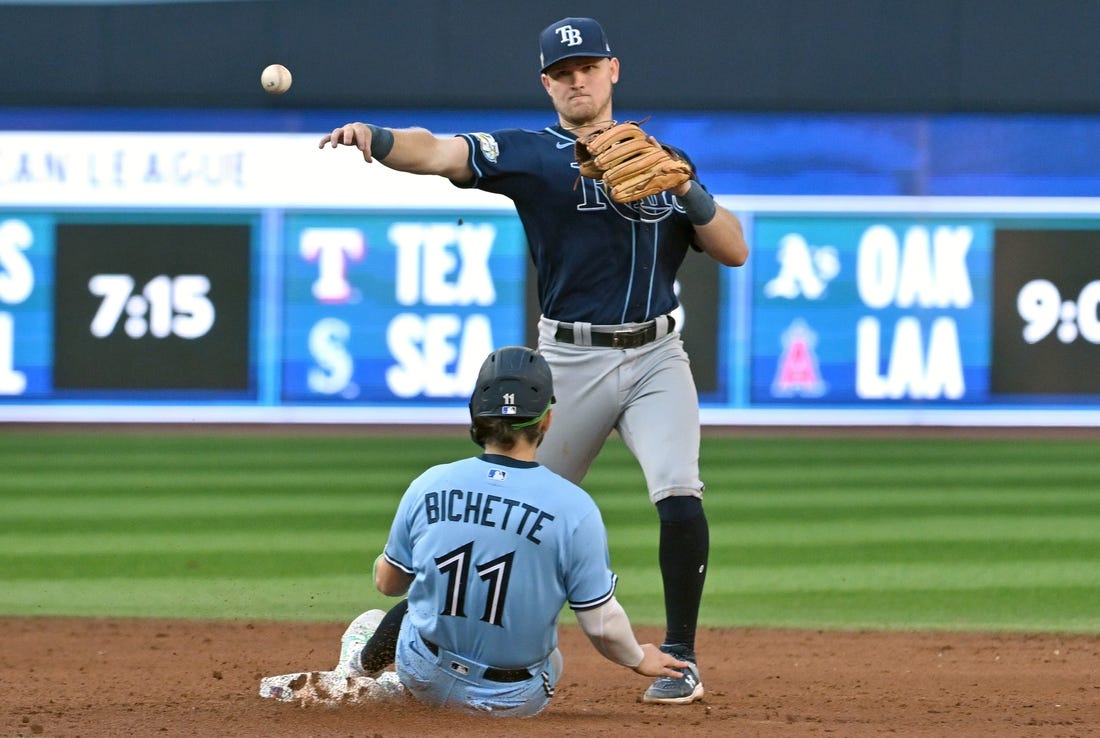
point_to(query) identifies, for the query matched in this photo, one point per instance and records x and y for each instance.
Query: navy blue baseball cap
(572, 37)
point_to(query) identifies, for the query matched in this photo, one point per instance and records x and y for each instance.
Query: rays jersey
(597, 261)
(496, 547)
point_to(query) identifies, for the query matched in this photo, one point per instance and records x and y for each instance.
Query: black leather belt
(492, 673)
(632, 338)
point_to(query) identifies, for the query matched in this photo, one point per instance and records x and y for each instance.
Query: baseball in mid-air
(275, 79)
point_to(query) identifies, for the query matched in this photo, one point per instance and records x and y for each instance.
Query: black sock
(684, 546)
(382, 647)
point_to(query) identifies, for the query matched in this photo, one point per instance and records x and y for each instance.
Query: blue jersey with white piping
(597, 261)
(496, 547)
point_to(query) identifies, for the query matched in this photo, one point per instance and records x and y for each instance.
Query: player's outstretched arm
(608, 628)
(413, 150)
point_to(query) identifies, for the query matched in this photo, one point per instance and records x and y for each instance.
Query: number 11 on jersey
(456, 564)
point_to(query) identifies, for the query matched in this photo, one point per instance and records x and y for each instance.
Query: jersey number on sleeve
(455, 565)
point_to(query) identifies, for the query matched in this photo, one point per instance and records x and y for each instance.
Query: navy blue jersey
(597, 261)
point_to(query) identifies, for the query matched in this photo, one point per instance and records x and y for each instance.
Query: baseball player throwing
(489, 549)
(606, 248)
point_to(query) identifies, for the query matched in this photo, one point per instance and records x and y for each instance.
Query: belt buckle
(627, 339)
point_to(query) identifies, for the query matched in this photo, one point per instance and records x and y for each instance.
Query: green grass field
(883, 533)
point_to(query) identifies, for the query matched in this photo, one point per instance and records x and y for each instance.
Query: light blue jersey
(496, 547)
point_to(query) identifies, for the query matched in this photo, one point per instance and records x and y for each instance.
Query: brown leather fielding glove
(631, 163)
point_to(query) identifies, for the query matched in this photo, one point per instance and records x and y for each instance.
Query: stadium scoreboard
(250, 292)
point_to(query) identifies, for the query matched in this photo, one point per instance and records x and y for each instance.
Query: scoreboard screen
(249, 276)
(1048, 289)
(871, 310)
(396, 308)
(152, 307)
(925, 311)
(343, 309)
(125, 307)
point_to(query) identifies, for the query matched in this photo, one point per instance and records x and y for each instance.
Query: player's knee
(679, 508)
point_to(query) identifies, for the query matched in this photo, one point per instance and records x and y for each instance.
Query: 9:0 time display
(1040, 304)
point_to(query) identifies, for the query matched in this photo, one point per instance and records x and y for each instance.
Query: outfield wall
(759, 55)
(905, 270)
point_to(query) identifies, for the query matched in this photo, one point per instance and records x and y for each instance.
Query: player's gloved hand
(631, 163)
(657, 663)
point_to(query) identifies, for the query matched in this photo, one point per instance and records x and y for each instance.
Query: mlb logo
(497, 475)
(508, 410)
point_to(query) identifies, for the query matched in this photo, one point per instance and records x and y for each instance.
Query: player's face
(581, 88)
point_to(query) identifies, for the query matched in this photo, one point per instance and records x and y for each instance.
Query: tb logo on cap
(570, 36)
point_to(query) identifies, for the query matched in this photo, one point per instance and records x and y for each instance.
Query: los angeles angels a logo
(798, 373)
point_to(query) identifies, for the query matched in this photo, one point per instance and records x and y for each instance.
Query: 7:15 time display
(165, 306)
(152, 306)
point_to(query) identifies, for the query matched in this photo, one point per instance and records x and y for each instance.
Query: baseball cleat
(354, 640)
(676, 691)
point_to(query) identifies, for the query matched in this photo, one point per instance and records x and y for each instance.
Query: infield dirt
(135, 678)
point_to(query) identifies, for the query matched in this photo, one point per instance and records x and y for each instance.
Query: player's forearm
(608, 628)
(389, 580)
(723, 238)
(413, 150)
(718, 232)
(419, 151)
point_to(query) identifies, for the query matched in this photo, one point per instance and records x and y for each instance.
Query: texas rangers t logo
(569, 36)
